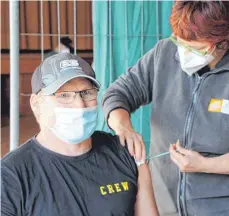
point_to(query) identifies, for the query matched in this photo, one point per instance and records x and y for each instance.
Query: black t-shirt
(39, 182)
(204, 70)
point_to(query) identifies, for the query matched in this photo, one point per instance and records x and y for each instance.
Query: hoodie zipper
(186, 132)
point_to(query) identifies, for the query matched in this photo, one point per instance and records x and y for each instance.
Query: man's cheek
(47, 118)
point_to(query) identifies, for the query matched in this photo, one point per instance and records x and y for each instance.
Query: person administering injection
(186, 78)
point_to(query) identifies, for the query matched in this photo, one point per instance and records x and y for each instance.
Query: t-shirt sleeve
(11, 200)
(127, 159)
(130, 160)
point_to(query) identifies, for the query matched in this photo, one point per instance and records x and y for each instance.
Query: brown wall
(30, 22)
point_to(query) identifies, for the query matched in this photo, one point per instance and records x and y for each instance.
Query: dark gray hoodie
(180, 110)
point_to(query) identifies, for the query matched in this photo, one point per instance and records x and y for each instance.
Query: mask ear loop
(211, 50)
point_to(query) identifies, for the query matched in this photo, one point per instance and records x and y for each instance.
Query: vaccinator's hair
(201, 20)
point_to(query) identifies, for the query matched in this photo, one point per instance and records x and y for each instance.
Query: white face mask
(74, 125)
(191, 63)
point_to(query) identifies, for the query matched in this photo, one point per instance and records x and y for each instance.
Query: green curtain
(123, 32)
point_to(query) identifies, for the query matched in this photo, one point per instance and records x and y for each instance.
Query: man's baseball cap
(58, 69)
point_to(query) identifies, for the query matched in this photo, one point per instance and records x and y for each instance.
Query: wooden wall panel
(84, 29)
(46, 25)
(70, 6)
(3, 31)
(81, 28)
(5, 25)
(53, 22)
(33, 24)
(30, 22)
(23, 38)
(29, 62)
(89, 43)
(63, 27)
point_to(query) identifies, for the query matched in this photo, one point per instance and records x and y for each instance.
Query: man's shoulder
(110, 146)
(19, 155)
(103, 139)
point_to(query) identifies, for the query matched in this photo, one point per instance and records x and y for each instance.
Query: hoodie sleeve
(134, 88)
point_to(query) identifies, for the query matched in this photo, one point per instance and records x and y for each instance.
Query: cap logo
(69, 63)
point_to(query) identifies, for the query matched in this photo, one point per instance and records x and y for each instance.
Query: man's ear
(34, 104)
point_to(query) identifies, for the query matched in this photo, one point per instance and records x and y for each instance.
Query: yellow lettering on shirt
(125, 185)
(102, 190)
(110, 189)
(114, 188)
(117, 187)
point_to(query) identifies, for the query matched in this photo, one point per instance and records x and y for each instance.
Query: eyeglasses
(67, 97)
(195, 51)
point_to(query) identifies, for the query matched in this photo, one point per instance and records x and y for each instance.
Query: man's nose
(78, 102)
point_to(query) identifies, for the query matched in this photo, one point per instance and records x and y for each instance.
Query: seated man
(68, 168)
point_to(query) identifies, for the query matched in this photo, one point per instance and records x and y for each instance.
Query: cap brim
(65, 78)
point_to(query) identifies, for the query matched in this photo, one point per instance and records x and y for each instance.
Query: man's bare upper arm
(145, 204)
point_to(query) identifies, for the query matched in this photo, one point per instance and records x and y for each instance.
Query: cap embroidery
(70, 63)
